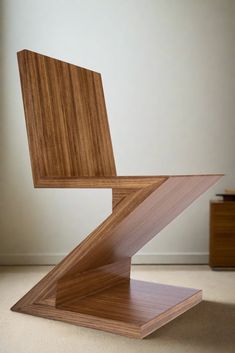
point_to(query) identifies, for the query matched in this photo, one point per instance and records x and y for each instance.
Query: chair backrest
(66, 119)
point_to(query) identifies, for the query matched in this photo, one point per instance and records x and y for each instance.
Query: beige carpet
(208, 327)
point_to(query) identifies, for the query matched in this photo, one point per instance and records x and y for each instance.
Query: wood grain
(138, 308)
(120, 182)
(140, 216)
(222, 234)
(146, 305)
(66, 119)
(134, 221)
(75, 286)
(119, 195)
(70, 147)
(107, 304)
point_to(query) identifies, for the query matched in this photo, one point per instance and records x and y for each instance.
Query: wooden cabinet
(222, 234)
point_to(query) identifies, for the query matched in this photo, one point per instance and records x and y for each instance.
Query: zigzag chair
(70, 147)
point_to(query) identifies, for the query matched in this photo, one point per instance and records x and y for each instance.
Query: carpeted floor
(208, 327)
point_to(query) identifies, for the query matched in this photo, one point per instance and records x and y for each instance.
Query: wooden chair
(70, 147)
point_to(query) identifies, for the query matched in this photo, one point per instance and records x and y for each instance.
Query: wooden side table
(222, 232)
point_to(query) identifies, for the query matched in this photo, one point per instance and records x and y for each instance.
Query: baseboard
(31, 258)
(171, 258)
(140, 259)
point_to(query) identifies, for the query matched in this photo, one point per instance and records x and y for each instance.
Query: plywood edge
(119, 194)
(171, 314)
(118, 182)
(101, 182)
(112, 326)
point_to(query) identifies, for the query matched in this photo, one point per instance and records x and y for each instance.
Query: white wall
(168, 73)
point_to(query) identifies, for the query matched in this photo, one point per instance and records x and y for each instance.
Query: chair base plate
(133, 309)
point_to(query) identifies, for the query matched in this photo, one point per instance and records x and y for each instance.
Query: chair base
(133, 309)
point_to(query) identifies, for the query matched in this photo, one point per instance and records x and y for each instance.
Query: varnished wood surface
(70, 147)
(124, 302)
(66, 119)
(118, 182)
(134, 309)
(83, 284)
(137, 302)
(170, 314)
(222, 234)
(119, 195)
(134, 221)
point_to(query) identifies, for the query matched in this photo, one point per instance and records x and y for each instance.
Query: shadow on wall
(209, 324)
